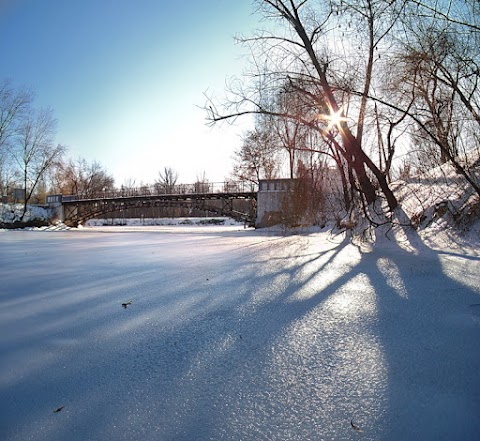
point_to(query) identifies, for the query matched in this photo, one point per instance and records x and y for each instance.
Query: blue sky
(124, 78)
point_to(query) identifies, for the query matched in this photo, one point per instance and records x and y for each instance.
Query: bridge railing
(161, 189)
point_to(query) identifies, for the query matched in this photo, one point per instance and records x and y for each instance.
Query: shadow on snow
(263, 338)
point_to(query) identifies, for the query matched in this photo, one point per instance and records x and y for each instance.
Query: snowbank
(10, 213)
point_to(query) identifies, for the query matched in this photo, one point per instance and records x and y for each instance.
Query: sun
(335, 119)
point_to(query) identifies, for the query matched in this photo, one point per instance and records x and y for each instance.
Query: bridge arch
(238, 205)
(261, 208)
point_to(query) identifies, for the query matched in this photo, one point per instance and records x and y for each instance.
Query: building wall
(270, 201)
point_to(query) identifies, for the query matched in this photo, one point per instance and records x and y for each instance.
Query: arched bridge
(233, 199)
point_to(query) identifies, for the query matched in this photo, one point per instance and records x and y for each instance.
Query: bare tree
(98, 180)
(306, 57)
(290, 131)
(335, 57)
(166, 180)
(128, 187)
(79, 177)
(256, 158)
(14, 105)
(35, 151)
(440, 70)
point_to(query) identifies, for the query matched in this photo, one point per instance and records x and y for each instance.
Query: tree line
(369, 90)
(32, 164)
(351, 94)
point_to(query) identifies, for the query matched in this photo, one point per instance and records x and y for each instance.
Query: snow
(164, 222)
(237, 333)
(13, 212)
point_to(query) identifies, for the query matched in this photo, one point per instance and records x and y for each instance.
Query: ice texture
(235, 334)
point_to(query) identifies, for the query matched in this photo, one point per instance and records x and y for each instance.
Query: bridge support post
(55, 206)
(227, 205)
(57, 212)
(70, 215)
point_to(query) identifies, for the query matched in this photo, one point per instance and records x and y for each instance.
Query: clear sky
(125, 77)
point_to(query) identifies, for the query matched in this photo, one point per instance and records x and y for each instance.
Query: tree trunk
(351, 144)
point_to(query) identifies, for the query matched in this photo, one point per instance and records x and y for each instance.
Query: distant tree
(256, 159)
(202, 184)
(98, 180)
(10, 177)
(167, 178)
(128, 187)
(79, 177)
(34, 151)
(290, 131)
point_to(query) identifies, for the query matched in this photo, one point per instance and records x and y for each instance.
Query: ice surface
(235, 334)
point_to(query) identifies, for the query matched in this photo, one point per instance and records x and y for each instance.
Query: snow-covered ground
(13, 212)
(236, 334)
(164, 222)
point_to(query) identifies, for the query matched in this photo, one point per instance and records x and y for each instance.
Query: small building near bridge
(271, 200)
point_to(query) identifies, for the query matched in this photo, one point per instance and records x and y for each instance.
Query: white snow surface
(13, 212)
(236, 334)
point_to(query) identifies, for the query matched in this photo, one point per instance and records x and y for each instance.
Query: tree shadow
(288, 339)
(429, 333)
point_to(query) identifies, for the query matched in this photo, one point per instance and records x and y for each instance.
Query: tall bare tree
(305, 47)
(35, 151)
(366, 72)
(14, 105)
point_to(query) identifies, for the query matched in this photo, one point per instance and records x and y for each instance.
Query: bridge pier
(272, 199)
(55, 206)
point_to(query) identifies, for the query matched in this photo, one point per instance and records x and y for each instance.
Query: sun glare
(334, 119)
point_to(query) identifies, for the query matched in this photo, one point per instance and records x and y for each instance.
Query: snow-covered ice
(235, 334)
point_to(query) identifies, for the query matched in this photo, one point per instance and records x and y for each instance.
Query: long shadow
(169, 349)
(429, 334)
(267, 343)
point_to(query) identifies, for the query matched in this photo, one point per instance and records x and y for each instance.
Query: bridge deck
(72, 200)
(78, 209)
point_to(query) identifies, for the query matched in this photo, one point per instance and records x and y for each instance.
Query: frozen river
(235, 335)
